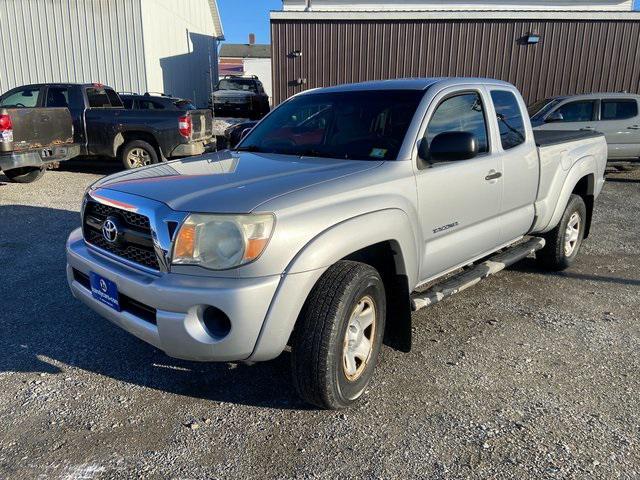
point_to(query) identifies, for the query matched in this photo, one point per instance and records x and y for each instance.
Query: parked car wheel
(138, 153)
(339, 334)
(25, 174)
(564, 241)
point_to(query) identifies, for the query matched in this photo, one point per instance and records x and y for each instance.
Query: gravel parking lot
(527, 375)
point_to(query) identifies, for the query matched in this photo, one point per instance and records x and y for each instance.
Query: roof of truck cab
(408, 84)
(597, 95)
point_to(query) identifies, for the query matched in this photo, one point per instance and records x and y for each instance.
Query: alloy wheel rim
(358, 339)
(138, 157)
(572, 234)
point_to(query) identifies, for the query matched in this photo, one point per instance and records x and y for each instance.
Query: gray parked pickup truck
(616, 115)
(322, 229)
(32, 138)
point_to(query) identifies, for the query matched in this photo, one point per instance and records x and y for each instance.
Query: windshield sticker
(378, 152)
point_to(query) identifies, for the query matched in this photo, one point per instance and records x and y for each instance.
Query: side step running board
(473, 275)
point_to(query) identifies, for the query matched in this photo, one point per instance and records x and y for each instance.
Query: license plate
(105, 291)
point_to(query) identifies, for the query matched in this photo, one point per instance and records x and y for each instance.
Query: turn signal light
(186, 241)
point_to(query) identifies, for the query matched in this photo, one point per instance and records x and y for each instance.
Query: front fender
(324, 250)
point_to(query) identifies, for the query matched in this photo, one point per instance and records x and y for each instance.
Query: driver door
(458, 201)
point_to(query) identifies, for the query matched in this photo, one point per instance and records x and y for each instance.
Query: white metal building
(132, 45)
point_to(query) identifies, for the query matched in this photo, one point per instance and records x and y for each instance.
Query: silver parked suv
(617, 115)
(317, 228)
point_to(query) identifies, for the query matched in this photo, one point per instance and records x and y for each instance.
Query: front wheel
(564, 241)
(25, 174)
(339, 334)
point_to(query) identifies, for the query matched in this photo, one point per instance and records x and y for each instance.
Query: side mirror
(554, 117)
(451, 146)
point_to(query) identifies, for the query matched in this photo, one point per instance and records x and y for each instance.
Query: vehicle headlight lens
(220, 242)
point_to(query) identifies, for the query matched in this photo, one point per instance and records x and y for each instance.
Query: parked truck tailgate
(202, 125)
(37, 128)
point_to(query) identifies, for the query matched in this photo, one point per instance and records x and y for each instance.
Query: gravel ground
(527, 375)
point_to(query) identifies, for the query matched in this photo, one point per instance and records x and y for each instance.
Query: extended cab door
(620, 122)
(518, 154)
(104, 108)
(458, 201)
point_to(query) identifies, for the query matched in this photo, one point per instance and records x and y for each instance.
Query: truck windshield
(238, 84)
(361, 125)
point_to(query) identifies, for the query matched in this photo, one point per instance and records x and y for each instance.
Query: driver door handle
(493, 175)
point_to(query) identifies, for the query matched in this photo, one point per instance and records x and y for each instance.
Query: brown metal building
(577, 52)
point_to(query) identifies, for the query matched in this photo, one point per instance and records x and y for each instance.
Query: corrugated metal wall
(72, 41)
(572, 57)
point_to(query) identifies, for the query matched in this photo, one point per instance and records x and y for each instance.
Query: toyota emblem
(110, 231)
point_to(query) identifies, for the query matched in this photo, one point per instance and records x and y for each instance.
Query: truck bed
(545, 138)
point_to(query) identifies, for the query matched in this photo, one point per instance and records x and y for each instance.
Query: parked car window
(461, 113)
(57, 97)
(361, 125)
(23, 98)
(98, 98)
(127, 102)
(150, 105)
(510, 122)
(580, 111)
(618, 109)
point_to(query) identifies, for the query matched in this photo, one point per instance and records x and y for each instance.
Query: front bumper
(178, 301)
(9, 161)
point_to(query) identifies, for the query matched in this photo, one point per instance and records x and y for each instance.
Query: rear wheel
(138, 153)
(25, 174)
(339, 335)
(564, 241)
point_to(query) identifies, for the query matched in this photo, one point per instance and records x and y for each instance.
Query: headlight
(220, 242)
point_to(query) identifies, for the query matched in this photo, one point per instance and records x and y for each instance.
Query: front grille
(135, 243)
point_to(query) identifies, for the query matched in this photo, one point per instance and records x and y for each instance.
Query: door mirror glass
(554, 117)
(452, 146)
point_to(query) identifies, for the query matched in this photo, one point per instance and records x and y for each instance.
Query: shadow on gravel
(99, 166)
(528, 265)
(43, 328)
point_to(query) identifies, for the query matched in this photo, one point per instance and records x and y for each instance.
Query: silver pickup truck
(341, 212)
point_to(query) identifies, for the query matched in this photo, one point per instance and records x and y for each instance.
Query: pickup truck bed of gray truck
(320, 228)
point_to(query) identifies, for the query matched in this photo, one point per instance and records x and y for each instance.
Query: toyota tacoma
(340, 213)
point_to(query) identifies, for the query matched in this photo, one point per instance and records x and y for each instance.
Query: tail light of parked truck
(6, 131)
(185, 126)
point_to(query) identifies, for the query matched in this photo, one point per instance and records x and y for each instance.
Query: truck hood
(229, 182)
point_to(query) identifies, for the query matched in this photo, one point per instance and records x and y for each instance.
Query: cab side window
(510, 122)
(618, 109)
(460, 113)
(57, 97)
(580, 111)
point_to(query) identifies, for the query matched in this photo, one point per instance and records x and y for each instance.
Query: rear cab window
(101, 97)
(618, 109)
(509, 117)
(24, 97)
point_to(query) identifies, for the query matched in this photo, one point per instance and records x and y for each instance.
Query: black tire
(148, 157)
(25, 174)
(319, 362)
(554, 256)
